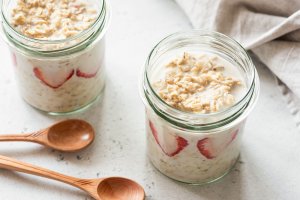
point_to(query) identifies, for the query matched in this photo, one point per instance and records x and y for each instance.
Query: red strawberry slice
(211, 148)
(14, 59)
(79, 73)
(233, 136)
(53, 78)
(91, 62)
(206, 148)
(170, 144)
(87, 72)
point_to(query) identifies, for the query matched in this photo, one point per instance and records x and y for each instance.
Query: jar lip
(56, 48)
(198, 33)
(43, 41)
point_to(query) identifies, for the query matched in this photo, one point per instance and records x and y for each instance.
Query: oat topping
(196, 83)
(52, 19)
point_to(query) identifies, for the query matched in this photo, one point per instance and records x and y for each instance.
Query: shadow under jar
(59, 75)
(193, 147)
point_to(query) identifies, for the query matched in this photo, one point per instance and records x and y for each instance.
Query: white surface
(269, 167)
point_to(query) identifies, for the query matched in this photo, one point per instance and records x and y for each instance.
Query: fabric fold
(269, 28)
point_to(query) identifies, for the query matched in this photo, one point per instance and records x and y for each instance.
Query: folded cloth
(269, 28)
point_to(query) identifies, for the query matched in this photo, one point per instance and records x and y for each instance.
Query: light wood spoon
(111, 188)
(69, 135)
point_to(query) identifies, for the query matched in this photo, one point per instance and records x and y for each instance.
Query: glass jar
(59, 76)
(191, 147)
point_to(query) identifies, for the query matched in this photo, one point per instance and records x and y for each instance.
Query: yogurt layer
(61, 85)
(199, 82)
(188, 156)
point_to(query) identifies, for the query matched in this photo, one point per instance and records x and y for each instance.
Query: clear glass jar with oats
(198, 88)
(57, 49)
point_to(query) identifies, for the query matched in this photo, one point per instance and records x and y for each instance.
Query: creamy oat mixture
(197, 83)
(53, 19)
(64, 83)
(188, 156)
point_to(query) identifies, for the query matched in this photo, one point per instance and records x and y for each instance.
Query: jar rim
(172, 112)
(101, 22)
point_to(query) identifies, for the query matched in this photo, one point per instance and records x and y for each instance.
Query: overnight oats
(198, 88)
(58, 50)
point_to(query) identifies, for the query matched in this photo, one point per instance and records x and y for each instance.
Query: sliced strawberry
(90, 69)
(233, 136)
(206, 148)
(154, 131)
(211, 148)
(14, 59)
(170, 144)
(52, 78)
(91, 62)
(87, 73)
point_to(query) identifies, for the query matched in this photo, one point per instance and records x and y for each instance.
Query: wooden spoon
(69, 135)
(111, 188)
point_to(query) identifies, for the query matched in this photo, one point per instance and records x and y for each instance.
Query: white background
(269, 166)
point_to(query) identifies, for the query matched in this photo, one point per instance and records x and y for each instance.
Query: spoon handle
(14, 165)
(29, 137)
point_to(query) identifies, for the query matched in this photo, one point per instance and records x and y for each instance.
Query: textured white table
(269, 166)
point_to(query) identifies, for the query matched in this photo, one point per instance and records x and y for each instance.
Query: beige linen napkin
(270, 28)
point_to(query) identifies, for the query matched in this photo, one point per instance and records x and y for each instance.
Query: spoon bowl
(70, 135)
(110, 188)
(118, 188)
